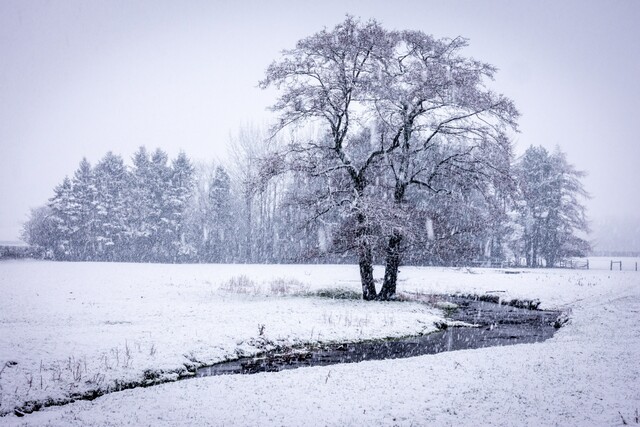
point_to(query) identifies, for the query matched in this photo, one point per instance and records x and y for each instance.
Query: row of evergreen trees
(161, 211)
(111, 212)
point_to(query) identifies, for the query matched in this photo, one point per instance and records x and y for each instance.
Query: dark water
(497, 325)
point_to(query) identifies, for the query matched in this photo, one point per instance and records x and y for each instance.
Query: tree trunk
(388, 290)
(534, 249)
(365, 255)
(366, 274)
(248, 253)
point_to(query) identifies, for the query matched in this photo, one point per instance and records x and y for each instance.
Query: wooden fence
(619, 264)
(573, 264)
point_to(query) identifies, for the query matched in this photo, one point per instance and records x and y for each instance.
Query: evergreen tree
(159, 214)
(140, 208)
(176, 200)
(219, 245)
(61, 205)
(112, 183)
(84, 193)
(551, 212)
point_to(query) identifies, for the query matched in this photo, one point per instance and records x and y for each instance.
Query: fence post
(611, 266)
(588, 263)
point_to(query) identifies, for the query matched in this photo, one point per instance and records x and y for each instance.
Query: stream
(494, 325)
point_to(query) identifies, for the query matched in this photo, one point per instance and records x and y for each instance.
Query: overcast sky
(79, 78)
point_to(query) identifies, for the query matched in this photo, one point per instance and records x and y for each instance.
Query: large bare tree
(383, 100)
(327, 77)
(447, 130)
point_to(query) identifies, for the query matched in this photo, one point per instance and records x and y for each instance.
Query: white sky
(79, 78)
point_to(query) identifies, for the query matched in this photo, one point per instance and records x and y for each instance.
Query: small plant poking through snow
(581, 281)
(563, 319)
(636, 418)
(76, 375)
(281, 286)
(240, 285)
(76, 368)
(349, 320)
(5, 366)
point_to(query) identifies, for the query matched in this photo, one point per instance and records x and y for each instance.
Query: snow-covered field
(71, 327)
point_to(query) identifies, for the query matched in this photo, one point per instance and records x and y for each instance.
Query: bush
(240, 285)
(281, 286)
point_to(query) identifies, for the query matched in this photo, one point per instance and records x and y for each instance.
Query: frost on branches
(403, 116)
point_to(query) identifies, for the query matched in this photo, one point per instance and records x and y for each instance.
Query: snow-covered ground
(70, 327)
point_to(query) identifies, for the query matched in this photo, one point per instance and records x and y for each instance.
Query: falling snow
(169, 315)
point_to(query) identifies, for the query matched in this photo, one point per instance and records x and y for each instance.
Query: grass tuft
(337, 293)
(282, 286)
(240, 285)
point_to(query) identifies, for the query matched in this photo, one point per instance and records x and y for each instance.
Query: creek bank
(489, 322)
(473, 322)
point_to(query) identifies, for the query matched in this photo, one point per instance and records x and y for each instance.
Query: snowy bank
(69, 328)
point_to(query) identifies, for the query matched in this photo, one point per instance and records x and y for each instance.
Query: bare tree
(385, 99)
(431, 99)
(327, 78)
(259, 188)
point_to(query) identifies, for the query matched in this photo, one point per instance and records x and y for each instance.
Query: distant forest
(157, 210)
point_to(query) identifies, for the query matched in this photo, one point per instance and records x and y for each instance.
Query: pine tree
(551, 212)
(157, 184)
(112, 183)
(140, 208)
(220, 217)
(61, 205)
(85, 198)
(176, 201)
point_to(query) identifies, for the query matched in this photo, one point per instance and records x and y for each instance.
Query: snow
(59, 314)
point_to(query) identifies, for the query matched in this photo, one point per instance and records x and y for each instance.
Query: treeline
(398, 153)
(160, 211)
(156, 210)
(112, 212)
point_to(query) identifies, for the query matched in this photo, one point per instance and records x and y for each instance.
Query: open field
(67, 328)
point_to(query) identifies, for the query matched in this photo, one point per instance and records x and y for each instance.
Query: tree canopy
(396, 109)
